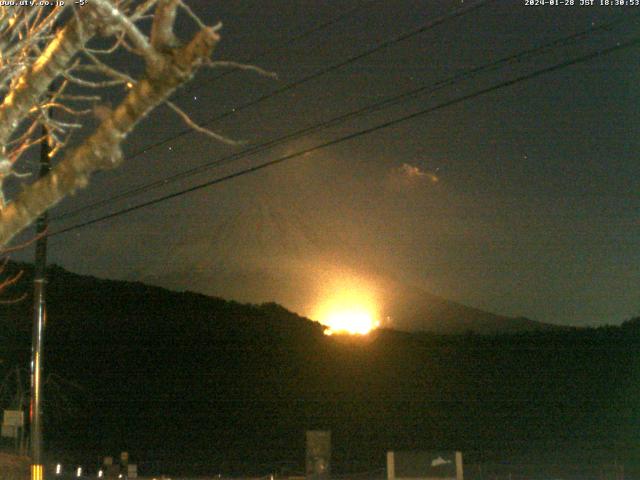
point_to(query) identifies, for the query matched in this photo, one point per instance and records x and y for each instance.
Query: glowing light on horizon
(347, 307)
(352, 321)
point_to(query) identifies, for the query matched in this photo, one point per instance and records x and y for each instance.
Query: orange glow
(352, 321)
(347, 307)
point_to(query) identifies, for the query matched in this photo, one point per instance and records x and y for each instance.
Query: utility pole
(39, 321)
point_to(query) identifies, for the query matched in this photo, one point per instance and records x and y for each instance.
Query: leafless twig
(186, 119)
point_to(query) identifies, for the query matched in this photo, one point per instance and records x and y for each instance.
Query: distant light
(79, 472)
(100, 473)
(347, 305)
(58, 469)
(355, 321)
(120, 476)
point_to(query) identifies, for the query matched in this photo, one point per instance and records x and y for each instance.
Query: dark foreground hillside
(192, 384)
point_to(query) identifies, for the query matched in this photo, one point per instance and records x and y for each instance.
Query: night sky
(522, 201)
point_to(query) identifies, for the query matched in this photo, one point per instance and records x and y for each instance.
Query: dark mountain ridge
(409, 308)
(192, 384)
(414, 309)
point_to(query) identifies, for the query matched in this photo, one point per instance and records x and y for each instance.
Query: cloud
(411, 171)
(407, 175)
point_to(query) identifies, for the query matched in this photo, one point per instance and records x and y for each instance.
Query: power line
(360, 133)
(290, 86)
(389, 101)
(283, 45)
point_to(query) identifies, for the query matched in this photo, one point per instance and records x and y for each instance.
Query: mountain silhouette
(197, 385)
(404, 307)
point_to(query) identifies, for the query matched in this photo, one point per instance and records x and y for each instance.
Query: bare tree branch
(210, 133)
(102, 150)
(162, 31)
(32, 85)
(242, 66)
(60, 60)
